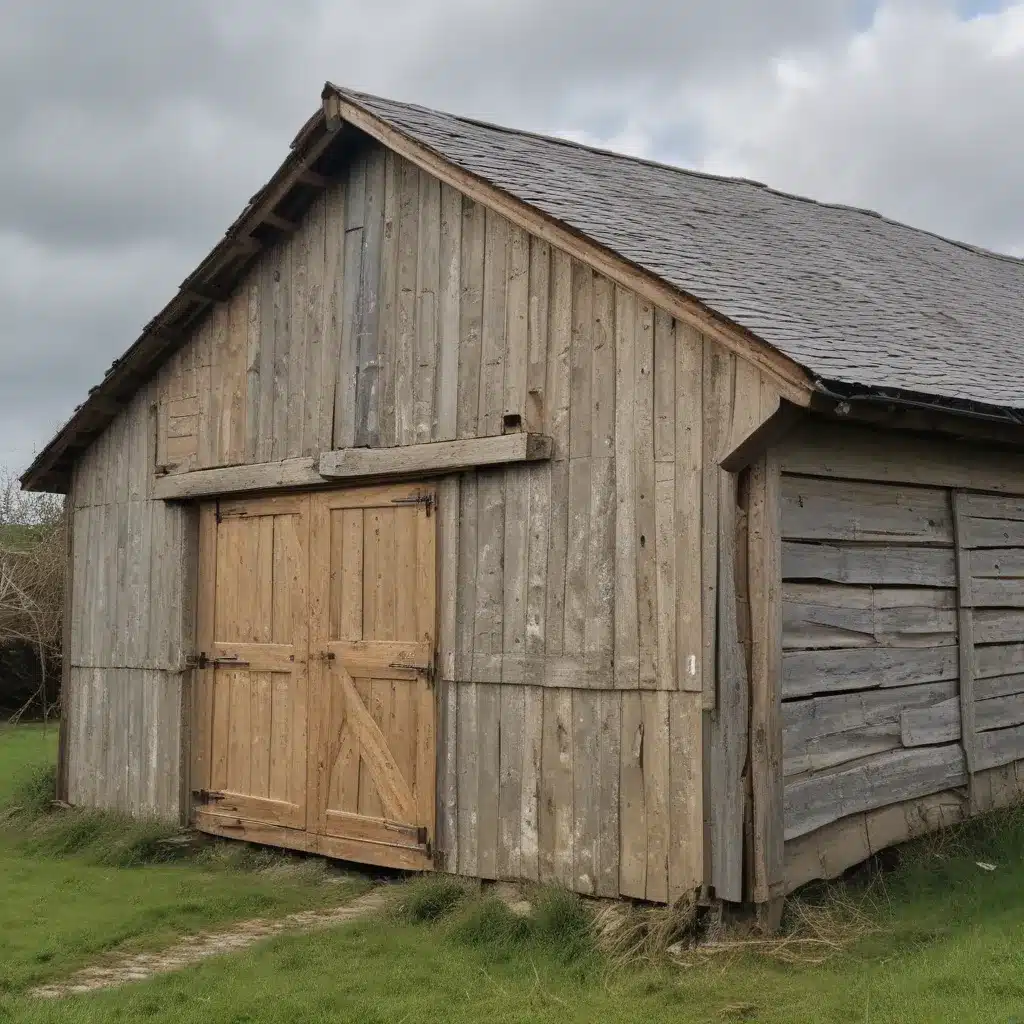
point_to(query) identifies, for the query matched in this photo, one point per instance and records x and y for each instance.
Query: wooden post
(765, 588)
(965, 635)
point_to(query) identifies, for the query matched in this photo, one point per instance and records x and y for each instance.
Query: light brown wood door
(372, 657)
(251, 704)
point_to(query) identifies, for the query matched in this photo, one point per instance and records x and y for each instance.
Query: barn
(490, 504)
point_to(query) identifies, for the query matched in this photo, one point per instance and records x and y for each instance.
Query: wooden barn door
(372, 652)
(251, 701)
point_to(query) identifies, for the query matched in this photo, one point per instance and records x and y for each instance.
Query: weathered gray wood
(808, 672)
(646, 525)
(822, 448)
(609, 710)
(968, 657)
(805, 720)
(517, 327)
(998, 625)
(998, 660)
(529, 807)
(428, 283)
(556, 790)
(576, 593)
(510, 780)
(815, 508)
(656, 794)
(815, 799)
(600, 595)
(997, 563)
(892, 565)
(827, 615)
(493, 327)
(1005, 593)
(941, 723)
(992, 533)
(829, 751)
(516, 544)
(448, 311)
(729, 721)
(470, 318)
(468, 786)
(988, 506)
(200, 483)
(586, 783)
(366, 366)
(998, 747)
(633, 830)
(434, 457)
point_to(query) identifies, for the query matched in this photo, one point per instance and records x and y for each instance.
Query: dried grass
(631, 934)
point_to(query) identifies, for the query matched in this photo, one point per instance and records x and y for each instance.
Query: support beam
(743, 451)
(263, 476)
(435, 457)
(276, 221)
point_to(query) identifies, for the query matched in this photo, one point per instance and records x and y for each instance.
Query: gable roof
(862, 303)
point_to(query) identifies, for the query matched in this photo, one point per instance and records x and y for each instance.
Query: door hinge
(426, 500)
(207, 796)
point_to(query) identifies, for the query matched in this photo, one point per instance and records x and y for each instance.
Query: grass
(943, 942)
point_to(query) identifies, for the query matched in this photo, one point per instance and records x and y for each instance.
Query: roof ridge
(977, 250)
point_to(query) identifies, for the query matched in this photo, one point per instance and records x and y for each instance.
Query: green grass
(948, 946)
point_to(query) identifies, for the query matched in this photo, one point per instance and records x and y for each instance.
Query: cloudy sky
(133, 133)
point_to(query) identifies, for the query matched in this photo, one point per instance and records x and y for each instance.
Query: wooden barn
(490, 504)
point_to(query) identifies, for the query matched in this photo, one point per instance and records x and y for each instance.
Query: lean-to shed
(491, 504)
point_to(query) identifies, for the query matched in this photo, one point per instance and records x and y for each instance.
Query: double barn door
(313, 713)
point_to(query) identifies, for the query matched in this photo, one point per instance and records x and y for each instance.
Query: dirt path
(120, 969)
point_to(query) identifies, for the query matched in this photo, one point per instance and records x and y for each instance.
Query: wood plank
(997, 563)
(1008, 593)
(470, 318)
(368, 309)
(645, 532)
(345, 372)
(656, 795)
(806, 720)
(586, 782)
(686, 815)
(664, 387)
(809, 672)
(729, 721)
(632, 799)
(689, 508)
(428, 283)
(448, 314)
(517, 327)
(998, 660)
(512, 727)
(538, 540)
(826, 752)
(576, 560)
(434, 457)
(815, 799)
(627, 626)
(599, 631)
(537, 396)
(988, 506)
(556, 801)
(201, 483)
(332, 311)
(822, 509)
(998, 747)
(719, 388)
(891, 564)
(609, 730)
(493, 327)
(665, 543)
(468, 782)
(530, 808)
(940, 723)
(822, 448)
(516, 560)
(965, 635)
(581, 362)
(764, 540)
(490, 533)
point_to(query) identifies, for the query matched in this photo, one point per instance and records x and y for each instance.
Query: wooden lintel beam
(263, 476)
(435, 456)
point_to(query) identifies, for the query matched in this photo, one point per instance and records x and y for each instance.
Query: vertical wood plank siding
(578, 602)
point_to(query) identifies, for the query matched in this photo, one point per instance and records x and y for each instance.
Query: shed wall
(578, 600)
(902, 700)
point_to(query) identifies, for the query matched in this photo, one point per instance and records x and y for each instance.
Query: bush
(430, 898)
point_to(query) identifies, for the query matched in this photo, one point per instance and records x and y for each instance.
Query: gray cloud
(134, 133)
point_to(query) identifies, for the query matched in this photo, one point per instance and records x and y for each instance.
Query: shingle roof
(851, 296)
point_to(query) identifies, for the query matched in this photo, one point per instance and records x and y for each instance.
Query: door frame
(304, 840)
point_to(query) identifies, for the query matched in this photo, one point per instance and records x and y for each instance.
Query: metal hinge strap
(426, 500)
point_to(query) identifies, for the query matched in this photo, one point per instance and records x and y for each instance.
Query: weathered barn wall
(902, 607)
(131, 626)
(577, 628)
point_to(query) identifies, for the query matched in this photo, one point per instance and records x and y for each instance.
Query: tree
(33, 544)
